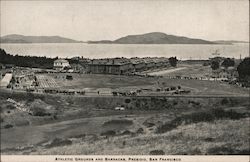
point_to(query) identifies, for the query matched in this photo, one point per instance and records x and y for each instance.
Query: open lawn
(94, 81)
(204, 87)
(98, 81)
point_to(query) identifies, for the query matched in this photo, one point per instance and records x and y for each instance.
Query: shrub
(39, 112)
(78, 136)
(7, 126)
(127, 122)
(11, 107)
(157, 152)
(140, 130)
(127, 100)
(59, 142)
(203, 116)
(108, 133)
(30, 97)
(224, 101)
(221, 150)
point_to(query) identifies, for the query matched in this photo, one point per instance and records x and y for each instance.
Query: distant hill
(154, 38)
(14, 38)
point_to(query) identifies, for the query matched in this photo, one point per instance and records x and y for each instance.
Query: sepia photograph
(124, 80)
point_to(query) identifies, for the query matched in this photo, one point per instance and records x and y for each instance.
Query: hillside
(155, 38)
(14, 38)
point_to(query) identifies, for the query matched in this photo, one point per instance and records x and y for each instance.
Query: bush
(224, 101)
(39, 112)
(30, 97)
(11, 107)
(108, 133)
(221, 150)
(127, 122)
(140, 131)
(127, 100)
(203, 116)
(157, 152)
(7, 126)
(59, 142)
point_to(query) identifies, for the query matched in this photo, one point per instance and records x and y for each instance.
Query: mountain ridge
(16, 38)
(154, 38)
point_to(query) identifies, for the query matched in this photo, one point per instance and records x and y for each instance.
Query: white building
(60, 64)
(6, 80)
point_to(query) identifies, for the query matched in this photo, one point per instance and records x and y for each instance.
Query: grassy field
(81, 81)
(97, 81)
(221, 137)
(203, 87)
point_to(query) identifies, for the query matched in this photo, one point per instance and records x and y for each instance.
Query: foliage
(38, 111)
(228, 62)
(26, 61)
(119, 122)
(7, 126)
(157, 152)
(108, 133)
(244, 69)
(59, 142)
(215, 65)
(203, 116)
(173, 61)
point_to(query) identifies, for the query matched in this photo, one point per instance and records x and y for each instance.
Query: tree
(244, 69)
(26, 61)
(228, 62)
(173, 61)
(215, 65)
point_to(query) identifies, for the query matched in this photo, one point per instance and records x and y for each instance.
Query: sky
(112, 19)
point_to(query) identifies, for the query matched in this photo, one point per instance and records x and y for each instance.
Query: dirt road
(163, 72)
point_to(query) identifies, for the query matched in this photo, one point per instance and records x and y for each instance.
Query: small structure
(6, 80)
(60, 64)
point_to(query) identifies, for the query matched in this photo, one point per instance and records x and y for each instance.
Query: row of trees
(26, 61)
(243, 68)
(215, 64)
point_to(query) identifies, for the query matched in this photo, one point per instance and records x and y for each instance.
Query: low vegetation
(118, 122)
(92, 126)
(58, 142)
(203, 116)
